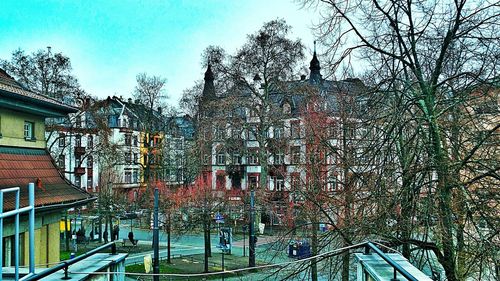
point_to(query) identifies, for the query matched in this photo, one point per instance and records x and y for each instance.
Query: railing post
(367, 250)
(16, 236)
(66, 277)
(31, 199)
(1, 230)
(395, 275)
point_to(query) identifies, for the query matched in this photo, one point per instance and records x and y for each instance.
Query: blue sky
(110, 42)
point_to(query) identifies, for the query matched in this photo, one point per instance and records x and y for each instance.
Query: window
(236, 132)
(251, 133)
(279, 158)
(78, 121)
(236, 160)
(89, 182)
(78, 161)
(136, 157)
(221, 158)
(279, 183)
(333, 130)
(294, 181)
(78, 140)
(135, 176)
(90, 162)
(350, 130)
(78, 181)
(220, 132)
(178, 144)
(128, 177)
(295, 155)
(128, 157)
(253, 158)
(128, 139)
(61, 161)
(90, 141)
(278, 132)
(253, 182)
(252, 112)
(332, 182)
(220, 181)
(62, 140)
(295, 129)
(29, 130)
(287, 109)
(206, 134)
(135, 140)
(206, 159)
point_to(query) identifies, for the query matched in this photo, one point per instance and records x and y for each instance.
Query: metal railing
(64, 265)
(397, 268)
(16, 212)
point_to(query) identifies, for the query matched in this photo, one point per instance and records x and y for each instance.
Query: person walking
(105, 234)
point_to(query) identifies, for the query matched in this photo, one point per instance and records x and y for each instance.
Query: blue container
(299, 249)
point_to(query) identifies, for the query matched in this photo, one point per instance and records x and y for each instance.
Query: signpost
(225, 238)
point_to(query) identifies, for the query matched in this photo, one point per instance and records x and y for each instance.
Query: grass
(194, 264)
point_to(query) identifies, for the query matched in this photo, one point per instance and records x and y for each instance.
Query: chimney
(129, 100)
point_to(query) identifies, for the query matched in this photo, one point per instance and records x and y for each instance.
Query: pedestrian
(131, 237)
(105, 234)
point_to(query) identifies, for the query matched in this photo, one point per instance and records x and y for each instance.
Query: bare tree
(431, 55)
(44, 72)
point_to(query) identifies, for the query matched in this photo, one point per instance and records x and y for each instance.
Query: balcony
(125, 130)
(279, 195)
(79, 170)
(125, 185)
(79, 150)
(235, 169)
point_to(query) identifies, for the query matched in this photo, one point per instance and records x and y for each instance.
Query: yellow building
(24, 159)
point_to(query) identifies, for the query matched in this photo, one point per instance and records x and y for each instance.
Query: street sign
(219, 218)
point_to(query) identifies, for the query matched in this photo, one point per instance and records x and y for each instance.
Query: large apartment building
(238, 150)
(112, 143)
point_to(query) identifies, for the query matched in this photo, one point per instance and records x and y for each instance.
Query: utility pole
(156, 244)
(251, 243)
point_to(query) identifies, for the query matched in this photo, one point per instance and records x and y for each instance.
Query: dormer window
(287, 109)
(29, 130)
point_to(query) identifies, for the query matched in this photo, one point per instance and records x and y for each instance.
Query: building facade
(24, 159)
(240, 152)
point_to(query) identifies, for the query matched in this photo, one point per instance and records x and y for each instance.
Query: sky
(110, 42)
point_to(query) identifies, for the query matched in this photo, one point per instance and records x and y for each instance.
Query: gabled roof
(20, 166)
(13, 95)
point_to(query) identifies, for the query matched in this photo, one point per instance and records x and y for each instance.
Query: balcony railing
(79, 150)
(79, 170)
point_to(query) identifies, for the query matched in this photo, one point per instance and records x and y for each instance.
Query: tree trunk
(406, 214)
(168, 238)
(444, 200)
(314, 248)
(206, 236)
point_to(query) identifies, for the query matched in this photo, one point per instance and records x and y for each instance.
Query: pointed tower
(208, 94)
(315, 76)
(209, 88)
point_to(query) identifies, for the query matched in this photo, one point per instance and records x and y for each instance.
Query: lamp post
(251, 243)
(156, 261)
